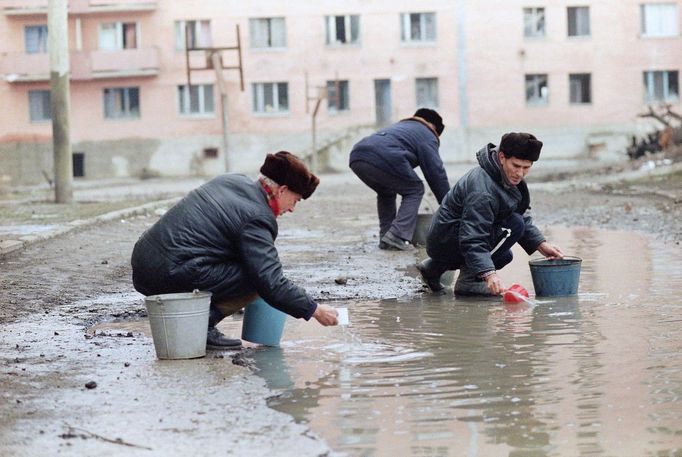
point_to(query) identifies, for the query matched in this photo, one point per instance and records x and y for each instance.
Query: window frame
(344, 96)
(197, 35)
(42, 39)
(184, 100)
(119, 35)
(406, 28)
(270, 32)
(129, 111)
(578, 22)
(433, 92)
(666, 86)
(580, 78)
(541, 99)
(258, 98)
(330, 23)
(45, 114)
(674, 15)
(531, 17)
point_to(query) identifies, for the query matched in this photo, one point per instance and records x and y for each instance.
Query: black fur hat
(286, 169)
(431, 116)
(523, 146)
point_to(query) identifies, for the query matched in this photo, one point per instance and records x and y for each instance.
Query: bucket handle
(566, 257)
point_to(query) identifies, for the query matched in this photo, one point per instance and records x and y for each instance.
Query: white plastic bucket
(179, 324)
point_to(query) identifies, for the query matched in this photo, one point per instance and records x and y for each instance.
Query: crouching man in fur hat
(481, 218)
(220, 238)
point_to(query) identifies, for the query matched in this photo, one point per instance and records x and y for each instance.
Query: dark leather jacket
(219, 238)
(468, 221)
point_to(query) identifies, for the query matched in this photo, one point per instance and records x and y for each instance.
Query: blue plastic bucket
(556, 277)
(262, 323)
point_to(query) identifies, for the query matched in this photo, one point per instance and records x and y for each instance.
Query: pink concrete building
(577, 75)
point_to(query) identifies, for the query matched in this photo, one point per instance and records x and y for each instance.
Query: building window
(198, 34)
(417, 27)
(661, 86)
(427, 92)
(342, 29)
(659, 19)
(197, 100)
(118, 35)
(533, 22)
(338, 98)
(537, 91)
(578, 21)
(35, 39)
(39, 105)
(268, 32)
(270, 98)
(122, 102)
(580, 88)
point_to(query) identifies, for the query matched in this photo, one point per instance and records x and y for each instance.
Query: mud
(53, 293)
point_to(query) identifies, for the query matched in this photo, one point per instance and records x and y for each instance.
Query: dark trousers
(513, 228)
(387, 186)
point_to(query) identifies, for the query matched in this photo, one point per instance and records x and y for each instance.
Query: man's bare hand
(326, 315)
(550, 251)
(494, 283)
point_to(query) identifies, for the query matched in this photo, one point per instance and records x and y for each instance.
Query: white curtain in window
(278, 33)
(659, 19)
(108, 36)
(35, 37)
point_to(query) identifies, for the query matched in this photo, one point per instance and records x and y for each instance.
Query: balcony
(39, 7)
(85, 65)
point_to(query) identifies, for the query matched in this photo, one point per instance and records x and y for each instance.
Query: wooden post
(58, 45)
(217, 62)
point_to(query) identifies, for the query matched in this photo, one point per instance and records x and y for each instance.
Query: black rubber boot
(430, 275)
(469, 285)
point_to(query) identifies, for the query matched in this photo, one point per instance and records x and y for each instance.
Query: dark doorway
(78, 160)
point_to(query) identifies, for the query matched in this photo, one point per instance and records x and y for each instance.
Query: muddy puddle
(599, 373)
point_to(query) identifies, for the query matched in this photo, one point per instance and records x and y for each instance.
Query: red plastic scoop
(515, 294)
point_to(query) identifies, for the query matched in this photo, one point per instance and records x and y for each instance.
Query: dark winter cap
(523, 146)
(431, 116)
(288, 170)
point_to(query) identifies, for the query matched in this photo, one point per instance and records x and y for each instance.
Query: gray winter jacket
(219, 238)
(467, 225)
(400, 148)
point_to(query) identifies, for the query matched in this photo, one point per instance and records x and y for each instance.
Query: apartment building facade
(577, 75)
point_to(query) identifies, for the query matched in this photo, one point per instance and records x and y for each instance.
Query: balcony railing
(84, 65)
(37, 7)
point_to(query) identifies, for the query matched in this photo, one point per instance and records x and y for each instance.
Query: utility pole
(58, 44)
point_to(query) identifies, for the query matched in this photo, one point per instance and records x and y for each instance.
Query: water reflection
(597, 374)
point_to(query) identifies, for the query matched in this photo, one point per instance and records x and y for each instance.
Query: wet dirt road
(53, 293)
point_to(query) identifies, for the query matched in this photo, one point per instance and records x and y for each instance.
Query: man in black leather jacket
(483, 216)
(221, 238)
(385, 162)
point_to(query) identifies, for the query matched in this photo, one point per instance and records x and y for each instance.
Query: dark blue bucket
(556, 277)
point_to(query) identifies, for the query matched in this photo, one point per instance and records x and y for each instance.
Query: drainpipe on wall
(462, 74)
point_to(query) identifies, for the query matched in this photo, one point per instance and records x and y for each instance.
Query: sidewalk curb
(9, 246)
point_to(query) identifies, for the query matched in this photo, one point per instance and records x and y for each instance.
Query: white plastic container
(179, 323)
